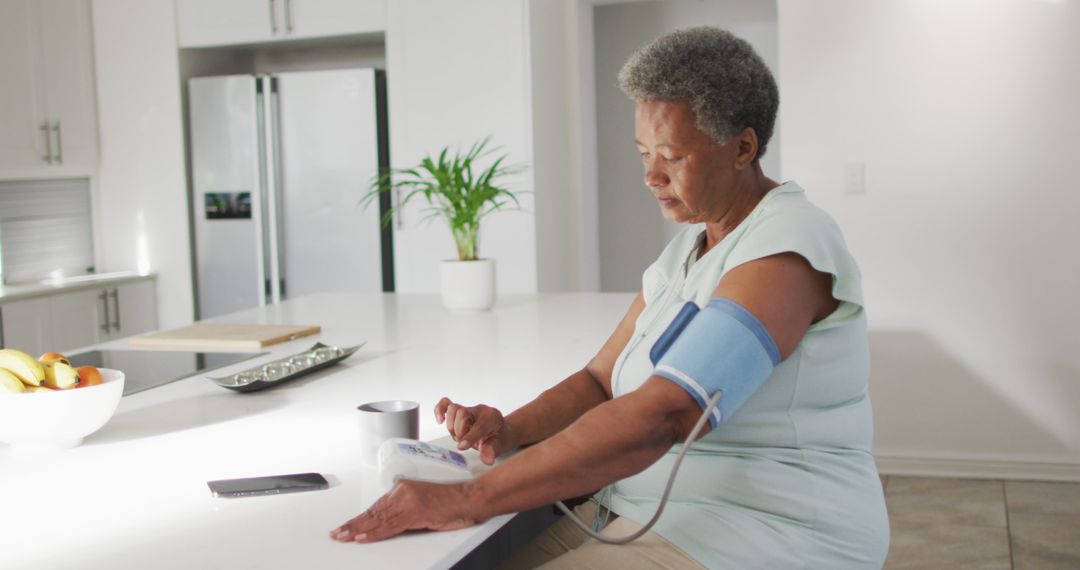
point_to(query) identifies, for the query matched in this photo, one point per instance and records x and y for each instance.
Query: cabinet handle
(104, 326)
(48, 142)
(59, 144)
(273, 18)
(116, 308)
(288, 15)
(2, 344)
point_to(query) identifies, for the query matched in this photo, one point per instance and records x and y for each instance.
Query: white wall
(141, 196)
(562, 118)
(458, 72)
(631, 229)
(562, 223)
(965, 115)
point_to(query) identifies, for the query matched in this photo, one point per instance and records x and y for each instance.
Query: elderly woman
(782, 475)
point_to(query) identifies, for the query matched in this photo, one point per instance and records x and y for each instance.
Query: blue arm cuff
(721, 348)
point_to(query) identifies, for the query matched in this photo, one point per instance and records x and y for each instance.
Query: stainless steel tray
(279, 371)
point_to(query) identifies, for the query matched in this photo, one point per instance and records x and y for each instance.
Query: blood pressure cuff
(721, 348)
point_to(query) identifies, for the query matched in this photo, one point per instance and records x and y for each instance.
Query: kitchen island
(134, 494)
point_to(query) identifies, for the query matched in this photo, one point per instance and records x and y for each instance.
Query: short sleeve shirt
(794, 462)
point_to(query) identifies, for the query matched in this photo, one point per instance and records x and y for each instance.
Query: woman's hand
(410, 505)
(478, 427)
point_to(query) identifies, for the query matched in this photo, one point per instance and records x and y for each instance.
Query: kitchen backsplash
(45, 229)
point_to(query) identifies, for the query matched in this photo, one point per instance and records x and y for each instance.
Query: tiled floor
(985, 524)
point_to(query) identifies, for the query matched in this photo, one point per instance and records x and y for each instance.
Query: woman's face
(688, 172)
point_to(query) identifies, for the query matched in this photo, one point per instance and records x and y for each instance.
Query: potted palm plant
(458, 190)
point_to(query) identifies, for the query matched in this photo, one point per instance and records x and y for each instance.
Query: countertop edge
(22, 291)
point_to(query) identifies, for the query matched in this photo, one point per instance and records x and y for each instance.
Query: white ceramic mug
(380, 421)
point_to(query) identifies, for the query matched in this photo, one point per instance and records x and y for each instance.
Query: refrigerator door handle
(258, 214)
(273, 200)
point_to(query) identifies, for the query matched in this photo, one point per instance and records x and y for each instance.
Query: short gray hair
(726, 83)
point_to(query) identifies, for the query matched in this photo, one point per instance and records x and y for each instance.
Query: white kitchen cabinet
(213, 22)
(203, 23)
(48, 124)
(69, 318)
(323, 18)
(90, 316)
(68, 80)
(79, 319)
(134, 307)
(26, 324)
(20, 111)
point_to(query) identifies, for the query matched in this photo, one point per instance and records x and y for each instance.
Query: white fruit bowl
(44, 421)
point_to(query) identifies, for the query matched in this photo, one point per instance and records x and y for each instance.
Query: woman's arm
(784, 292)
(561, 405)
(627, 434)
(612, 440)
(552, 411)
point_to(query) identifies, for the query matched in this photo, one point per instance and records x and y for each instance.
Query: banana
(9, 382)
(60, 376)
(22, 365)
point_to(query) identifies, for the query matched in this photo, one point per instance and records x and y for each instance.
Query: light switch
(855, 178)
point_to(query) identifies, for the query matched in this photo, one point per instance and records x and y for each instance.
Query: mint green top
(788, 481)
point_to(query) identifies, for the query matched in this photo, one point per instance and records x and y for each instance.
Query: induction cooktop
(145, 369)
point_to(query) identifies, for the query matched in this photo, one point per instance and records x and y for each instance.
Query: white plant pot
(467, 285)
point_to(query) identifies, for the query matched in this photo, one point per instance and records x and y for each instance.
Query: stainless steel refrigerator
(280, 164)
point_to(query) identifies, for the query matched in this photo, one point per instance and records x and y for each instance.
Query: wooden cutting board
(225, 336)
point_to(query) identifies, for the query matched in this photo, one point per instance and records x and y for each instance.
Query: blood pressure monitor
(401, 458)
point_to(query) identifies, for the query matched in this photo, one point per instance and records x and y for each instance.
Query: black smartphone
(269, 485)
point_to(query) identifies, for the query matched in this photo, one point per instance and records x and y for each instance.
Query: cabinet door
(78, 319)
(68, 80)
(203, 23)
(27, 325)
(321, 18)
(134, 308)
(22, 144)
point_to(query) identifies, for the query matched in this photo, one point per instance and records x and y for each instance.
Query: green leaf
(452, 190)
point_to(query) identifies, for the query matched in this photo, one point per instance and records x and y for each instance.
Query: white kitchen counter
(134, 494)
(53, 286)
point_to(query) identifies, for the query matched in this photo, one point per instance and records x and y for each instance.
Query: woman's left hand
(410, 505)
